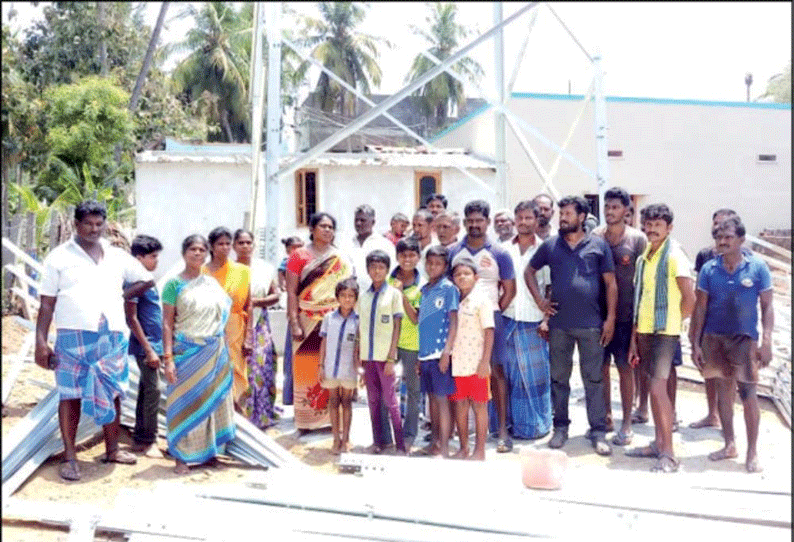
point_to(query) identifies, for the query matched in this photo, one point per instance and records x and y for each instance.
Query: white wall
(174, 200)
(695, 158)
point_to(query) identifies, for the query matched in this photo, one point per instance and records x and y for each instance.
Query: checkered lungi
(92, 366)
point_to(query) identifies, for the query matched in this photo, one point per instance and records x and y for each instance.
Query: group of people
(425, 321)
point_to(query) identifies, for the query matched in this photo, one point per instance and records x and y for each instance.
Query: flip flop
(666, 464)
(622, 439)
(69, 470)
(643, 451)
(504, 445)
(636, 417)
(120, 456)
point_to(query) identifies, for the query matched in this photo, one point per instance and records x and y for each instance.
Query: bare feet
(478, 455)
(463, 453)
(752, 464)
(181, 468)
(708, 421)
(336, 447)
(729, 452)
(345, 446)
(373, 449)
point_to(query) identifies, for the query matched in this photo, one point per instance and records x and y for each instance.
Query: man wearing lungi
(527, 360)
(81, 287)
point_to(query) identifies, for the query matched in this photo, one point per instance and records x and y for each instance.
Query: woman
(199, 411)
(259, 400)
(235, 278)
(312, 274)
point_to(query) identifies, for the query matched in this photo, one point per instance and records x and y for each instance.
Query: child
(405, 278)
(398, 225)
(437, 329)
(340, 360)
(380, 310)
(145, 320)
(290, 245)
(471, 355)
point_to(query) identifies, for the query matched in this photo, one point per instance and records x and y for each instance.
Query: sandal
(623, 439)
(644, 451)
(504, 445)
(69, 470)
(666, 463)
(636, 417)
(120, 456)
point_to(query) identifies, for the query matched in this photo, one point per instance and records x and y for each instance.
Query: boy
(406, 279)
(398, 225)
(471, 357)
(145, 320)
(437, 328)
(340, 360)
(380, 310)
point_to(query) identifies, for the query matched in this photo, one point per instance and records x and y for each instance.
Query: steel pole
(273, 28)
(501, 96)
(257, 112)
(600, 110)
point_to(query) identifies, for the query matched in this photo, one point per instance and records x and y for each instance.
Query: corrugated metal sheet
(385, 158)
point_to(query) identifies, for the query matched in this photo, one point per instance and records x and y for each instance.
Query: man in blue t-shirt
(497, 280)
(728, 290)
(145, 320)
(581, 265)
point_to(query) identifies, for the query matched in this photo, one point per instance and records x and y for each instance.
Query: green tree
(66, 44)
(217, 69)
(85, 122)
(443, 36)
(779, 86)
(347, 52)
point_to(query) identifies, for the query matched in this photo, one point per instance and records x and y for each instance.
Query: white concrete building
(194, 188)
(696, 156)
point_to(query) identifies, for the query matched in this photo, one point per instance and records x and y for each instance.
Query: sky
(686, 50)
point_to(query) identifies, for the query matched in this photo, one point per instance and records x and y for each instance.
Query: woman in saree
(259, 400)
(312, 274)
(199, 410)
(235, 279)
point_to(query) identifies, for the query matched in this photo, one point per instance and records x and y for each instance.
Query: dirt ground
(101, 483)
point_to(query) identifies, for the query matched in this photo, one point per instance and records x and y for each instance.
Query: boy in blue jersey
(145, 320)
(437, 329)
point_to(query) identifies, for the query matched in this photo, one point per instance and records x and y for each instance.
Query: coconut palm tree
(444, 34)
(350, 54)
(218, 65)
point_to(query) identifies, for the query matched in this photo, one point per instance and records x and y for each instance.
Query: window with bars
(305, 195)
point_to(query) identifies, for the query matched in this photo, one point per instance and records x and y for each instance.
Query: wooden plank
(22, 276)
(771, 246)
(19, 253)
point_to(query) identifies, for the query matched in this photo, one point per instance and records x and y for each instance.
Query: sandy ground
(101, 483)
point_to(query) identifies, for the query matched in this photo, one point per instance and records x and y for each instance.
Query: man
(423, 234)
(706, 254)
(364, 242)
(436, 204)
(729, 288)
(545, 228)
(527, 367)
(663, 299)
(81, 287)
(447, 228)
(496, 274)
(578, 263)
(627, 244)
(503, 225)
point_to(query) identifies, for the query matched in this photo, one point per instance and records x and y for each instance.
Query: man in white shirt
(364, 242)
(81, 287)
(527, 360)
